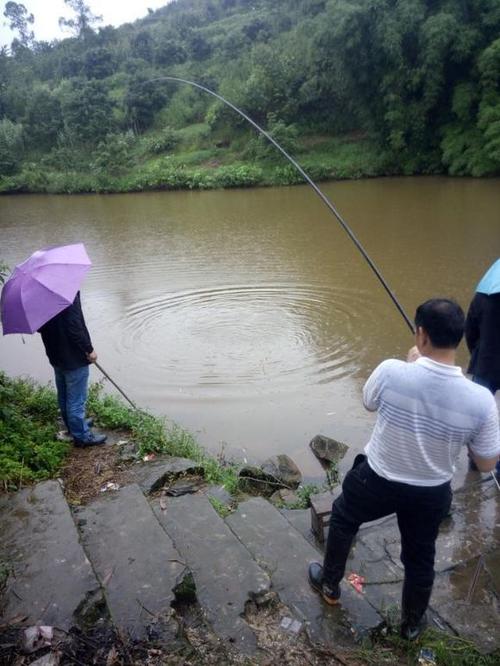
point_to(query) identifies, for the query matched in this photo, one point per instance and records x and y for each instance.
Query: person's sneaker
(91, 440)
(330, 595)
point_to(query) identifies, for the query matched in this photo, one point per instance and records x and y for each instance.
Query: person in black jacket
(482, 333)
(69, 349)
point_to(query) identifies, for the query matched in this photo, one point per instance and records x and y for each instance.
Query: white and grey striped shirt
(426, 412)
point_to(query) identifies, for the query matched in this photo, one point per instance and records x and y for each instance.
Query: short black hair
(443, 320)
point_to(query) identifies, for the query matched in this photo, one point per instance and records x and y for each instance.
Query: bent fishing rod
(308, 179)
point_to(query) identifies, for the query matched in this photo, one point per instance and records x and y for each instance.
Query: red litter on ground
(356, 581)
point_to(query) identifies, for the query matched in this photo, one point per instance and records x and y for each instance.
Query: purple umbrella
(42, 286)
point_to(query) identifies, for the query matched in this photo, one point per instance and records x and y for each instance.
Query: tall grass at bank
(29, 451)
(208, 168)
(152, 434)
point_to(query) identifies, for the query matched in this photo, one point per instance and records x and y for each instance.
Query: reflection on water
(248, 316)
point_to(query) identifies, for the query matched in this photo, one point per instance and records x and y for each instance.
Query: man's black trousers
(367, 496)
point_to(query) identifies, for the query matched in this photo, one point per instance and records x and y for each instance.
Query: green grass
(222, 509)
(28, 450)
(157, 435)
(197, 164)
(391, 650)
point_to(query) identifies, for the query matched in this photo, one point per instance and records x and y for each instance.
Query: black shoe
(91, 440)
(412, 632)
(330, 595)
(415, 600)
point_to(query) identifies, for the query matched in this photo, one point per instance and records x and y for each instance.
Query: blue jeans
(72, 388)
(491, 386)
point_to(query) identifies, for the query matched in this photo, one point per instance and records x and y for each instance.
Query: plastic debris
(148, 457)
(356, 581)
(427, 657)
(110, 485)
(291, 626)
(37, 637)
(163, 504)
(439, 623)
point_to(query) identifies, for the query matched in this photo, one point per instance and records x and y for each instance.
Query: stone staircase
(125, 555)
(131, 553)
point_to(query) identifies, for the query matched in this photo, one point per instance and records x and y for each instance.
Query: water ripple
(246, 338)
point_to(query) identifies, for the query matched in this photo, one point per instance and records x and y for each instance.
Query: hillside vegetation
(349, 87)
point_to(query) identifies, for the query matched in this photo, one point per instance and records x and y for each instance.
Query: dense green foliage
(409, 86)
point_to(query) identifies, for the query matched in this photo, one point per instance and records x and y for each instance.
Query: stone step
(225, 574)
(51, 579)
(135, 561)
(151, 476)
(279, 549)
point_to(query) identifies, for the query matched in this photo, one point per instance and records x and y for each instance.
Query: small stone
(284, 497)
(264, 599)
(128, 451)
(328, 449)
(184, 487)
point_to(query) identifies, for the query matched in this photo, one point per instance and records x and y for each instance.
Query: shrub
(164, 142)
(28, 449)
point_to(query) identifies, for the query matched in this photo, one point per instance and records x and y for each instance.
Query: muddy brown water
(248, 316)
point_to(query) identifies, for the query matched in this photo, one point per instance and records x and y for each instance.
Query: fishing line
(309, 180)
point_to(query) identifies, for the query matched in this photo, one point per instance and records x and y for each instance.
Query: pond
(248, 316)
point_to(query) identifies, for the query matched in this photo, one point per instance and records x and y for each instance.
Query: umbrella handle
(99, 367)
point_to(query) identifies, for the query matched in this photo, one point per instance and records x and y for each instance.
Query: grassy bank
(196, 163)
(29, 451)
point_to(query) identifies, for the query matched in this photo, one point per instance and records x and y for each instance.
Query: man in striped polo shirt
(427, 411)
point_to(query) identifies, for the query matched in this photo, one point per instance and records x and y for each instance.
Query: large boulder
(327, 449)
(253, 480)
(283, 469)
(276, 472)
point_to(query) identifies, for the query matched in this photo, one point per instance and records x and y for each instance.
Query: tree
(87, 111)
(11, 146)
(43, 120)
(99, 63)
(142, 100)
(20, 20)
(84, 19)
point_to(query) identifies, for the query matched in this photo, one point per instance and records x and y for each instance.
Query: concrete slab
(51, 576)
(225, 574)
(135, 561)
(476, 619)
(301, 520)
(473, 530)
(151, 476)
(285, 555)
